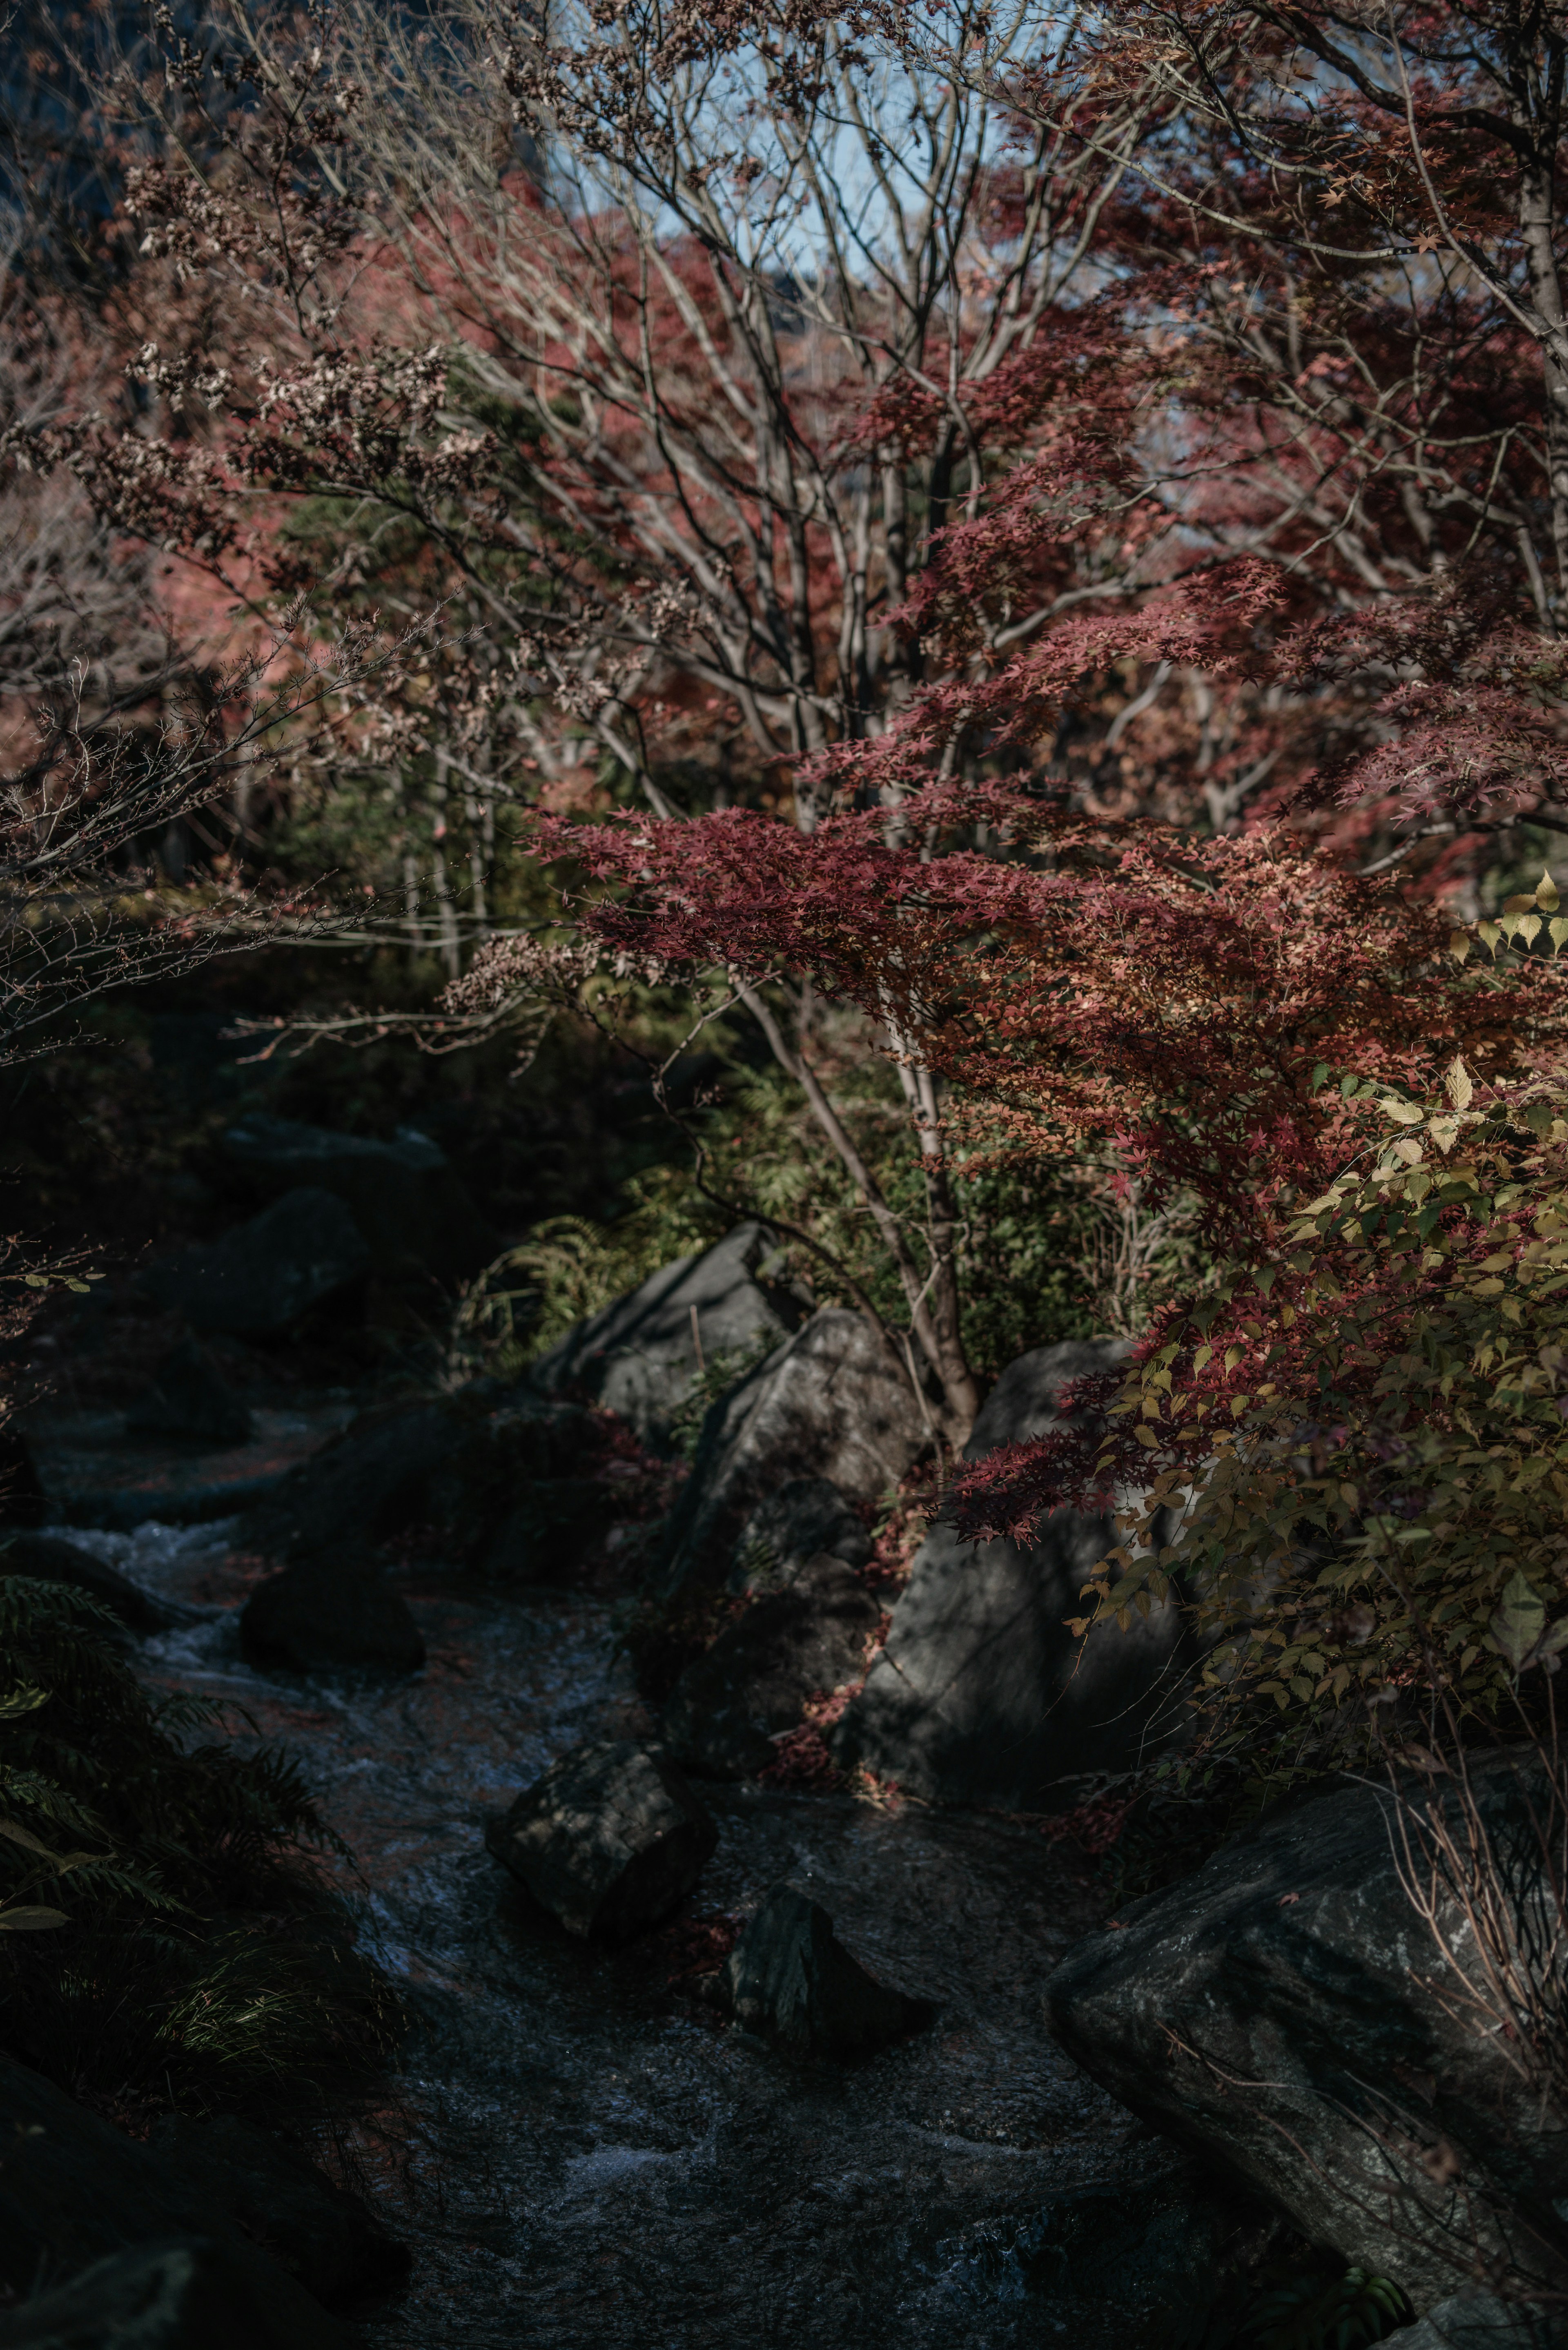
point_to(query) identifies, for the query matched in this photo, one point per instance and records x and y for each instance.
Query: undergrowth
(183, 1949)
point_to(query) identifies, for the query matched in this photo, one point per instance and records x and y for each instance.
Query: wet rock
(322, 2236)
(803, 1518)
(404, 1196)
(829, 1403)
(74, 2190)
(753, 1682)
(190, 1398)
(790, 1978)
(194, 2294)
(1294, 1961)
(640, 1355)
(324, 1615)
(49, 1560)
(1480, 2322)
(304, 1251)
(981, 1695)
(610, 1839)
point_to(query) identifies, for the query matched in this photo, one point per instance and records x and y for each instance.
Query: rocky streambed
(581, 2152)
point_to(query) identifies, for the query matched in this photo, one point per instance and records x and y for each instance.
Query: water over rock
(611, 1839)
(829, 1403)
(808, 1638)
(1287, 2011)
(790, 1978)
(642, 1355)
(51, 1560)
(257, 1281)
(981, 1695)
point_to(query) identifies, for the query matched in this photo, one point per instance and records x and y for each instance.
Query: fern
(180, 1954)
(1310, 2313)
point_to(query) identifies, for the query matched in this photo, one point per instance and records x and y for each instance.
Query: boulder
(828, 1403)
(812, 1636)
(790, 1978)
(184, 2293)
(47, 1559)
(404, 1196)
(496, 1482)
(371, 1481)
(75, 2190)
(304, 1251)
(327, 2239)
(1286, 2012)
(190, 1398)
(802, 1520)
(639, 1357)
(324, 1615)
(610, 1839)
(981, 1695)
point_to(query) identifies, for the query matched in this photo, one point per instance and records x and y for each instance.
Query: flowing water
(590, 2157)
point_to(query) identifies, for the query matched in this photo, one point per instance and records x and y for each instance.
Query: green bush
(171, 1938)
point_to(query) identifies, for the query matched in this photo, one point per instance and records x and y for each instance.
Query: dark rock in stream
(190, 1398)
(804, 1518)
(73, 2190)
(329, 1615)
(790, 1978)
(322, 2236)
(829, 1403)
(811, 1636)
(982, 1694)
(1285, 2011)
(611, 1838)
(50, 1560)
(304, 1251)
(193, 2293)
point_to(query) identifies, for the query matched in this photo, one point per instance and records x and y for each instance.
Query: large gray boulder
(611, 1839)
(640, 1355)
(726, 1708)
(76, 2191)
(981, 1695)
(829, 1403)
(303, 1252)
(405, 1198)
(1286, 2012)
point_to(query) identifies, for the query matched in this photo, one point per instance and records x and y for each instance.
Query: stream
(582, 2153)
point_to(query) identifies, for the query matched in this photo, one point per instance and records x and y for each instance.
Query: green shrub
(186, 1949)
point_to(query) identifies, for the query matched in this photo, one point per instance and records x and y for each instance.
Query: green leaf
(1320, 1074)
(31, 1920)
(1520, 1620)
